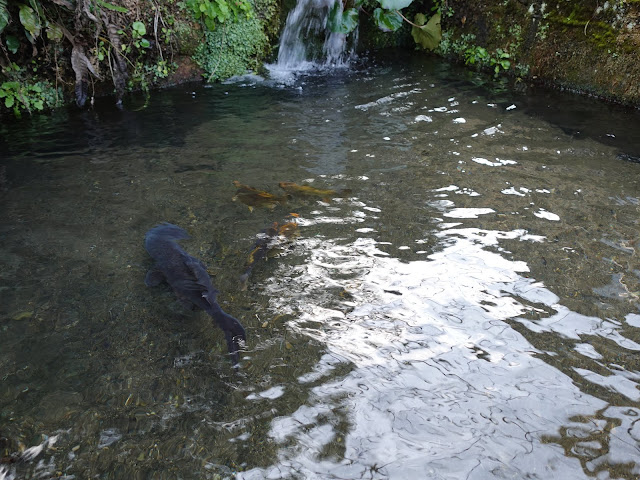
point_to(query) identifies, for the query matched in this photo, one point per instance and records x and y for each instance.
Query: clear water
(469, 310)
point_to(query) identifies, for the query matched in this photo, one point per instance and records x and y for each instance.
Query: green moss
(188, 36)
(582, 19)
(583, 45)
(232, 49)
(268, 12)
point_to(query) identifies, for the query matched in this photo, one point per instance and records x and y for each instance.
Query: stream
(464, 303)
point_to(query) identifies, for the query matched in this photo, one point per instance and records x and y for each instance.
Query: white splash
(307, 44)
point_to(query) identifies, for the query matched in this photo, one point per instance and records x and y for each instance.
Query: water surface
(467, 307)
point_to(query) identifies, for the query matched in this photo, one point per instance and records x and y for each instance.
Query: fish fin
(154, 278)
(199, 282)
(234, 334)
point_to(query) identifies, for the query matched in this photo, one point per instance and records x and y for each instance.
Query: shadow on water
(467, 307)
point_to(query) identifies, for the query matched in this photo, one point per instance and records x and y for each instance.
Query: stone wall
(588, 46)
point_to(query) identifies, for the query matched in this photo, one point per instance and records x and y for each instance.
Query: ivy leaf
(9, 101)
(427, 36)
(387, 21)
(30, 20)
(394, 4)
(342, 22)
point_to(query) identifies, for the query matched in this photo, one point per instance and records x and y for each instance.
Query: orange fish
(252, 197)
(296, 190)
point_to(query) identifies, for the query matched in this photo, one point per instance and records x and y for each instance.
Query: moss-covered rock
(232, 49)
(242, 46)
(188, 37)
(583, 45)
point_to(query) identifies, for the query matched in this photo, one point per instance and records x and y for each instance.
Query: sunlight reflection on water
(442, 385)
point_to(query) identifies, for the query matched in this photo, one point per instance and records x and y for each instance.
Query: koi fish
(252, 197)
(296, 190)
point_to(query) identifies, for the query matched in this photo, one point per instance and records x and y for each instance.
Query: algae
(583, 46)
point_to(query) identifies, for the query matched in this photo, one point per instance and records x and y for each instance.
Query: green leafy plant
(33, 19)
(476, 55)
(213, 12)
(138, 31)
(427, 35)
(387, 20)
(395, 4)
(500, 61)
(342, 21)
(160, 70)
(480, 56)
(387, 16)
(30, 20)
(19, 95)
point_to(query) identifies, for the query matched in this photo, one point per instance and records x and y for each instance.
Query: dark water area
(464, 304)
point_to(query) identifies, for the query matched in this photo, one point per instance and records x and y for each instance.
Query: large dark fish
(188, 278)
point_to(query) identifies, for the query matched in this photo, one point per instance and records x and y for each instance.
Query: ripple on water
(468, 311)
(438, 372)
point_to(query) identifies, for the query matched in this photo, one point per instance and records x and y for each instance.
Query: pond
(462, 303)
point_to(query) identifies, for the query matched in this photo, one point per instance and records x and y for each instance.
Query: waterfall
(307, 44)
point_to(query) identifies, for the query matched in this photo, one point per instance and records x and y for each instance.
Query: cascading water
(307, 43)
